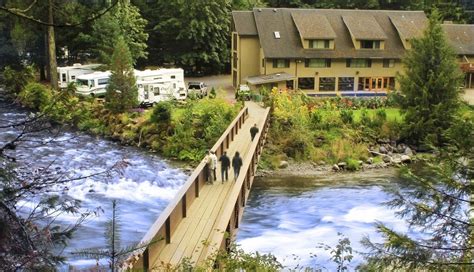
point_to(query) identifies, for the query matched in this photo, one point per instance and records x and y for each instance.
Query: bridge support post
(168, 230)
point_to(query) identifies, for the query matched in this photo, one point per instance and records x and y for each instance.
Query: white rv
(160, 85)
(93, 84)
(69, 74)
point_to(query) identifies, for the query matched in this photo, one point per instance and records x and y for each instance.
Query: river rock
(342, 165)
(408, 151)
(383, 150)
(283, 165)
(397, 160)
(370, 160)
(405, 159)
(335, 167)
(387, 159)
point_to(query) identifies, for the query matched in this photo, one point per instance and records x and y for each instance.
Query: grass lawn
(393, 114)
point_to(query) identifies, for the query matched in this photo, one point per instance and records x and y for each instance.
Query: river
(284, 216)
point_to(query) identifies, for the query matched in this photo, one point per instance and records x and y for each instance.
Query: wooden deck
(202, 221)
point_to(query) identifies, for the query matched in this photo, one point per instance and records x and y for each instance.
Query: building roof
(461, 37)
(408, 25)
(390, 25)
(313, 26)
(244, 23)
(271, 78)
(364, 27)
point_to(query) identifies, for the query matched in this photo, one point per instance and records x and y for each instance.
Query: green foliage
(123, 21)
(16, 80)
(347, 116)
(194, 34)
(430, 85)
(161, 113)
(352, 165)
(213, 93)
(122, 92)
(35, 96)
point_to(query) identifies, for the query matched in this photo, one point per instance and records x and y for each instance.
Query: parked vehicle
(153, 85)
(198, 88)
(243, 93)
(160, 85)
(93, 84)
(68, 74)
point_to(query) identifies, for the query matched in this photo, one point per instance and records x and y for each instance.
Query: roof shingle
(364, 27)
(313, 26)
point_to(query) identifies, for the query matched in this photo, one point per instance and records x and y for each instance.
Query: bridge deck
(194, 231)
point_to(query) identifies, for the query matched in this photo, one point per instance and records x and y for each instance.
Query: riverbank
(308, 169)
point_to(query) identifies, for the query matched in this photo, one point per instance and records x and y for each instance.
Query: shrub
(161, 113)
(347, 116)
(35, 96)
(213, 93)
(352, 165)
(315, 119)
(16, 80)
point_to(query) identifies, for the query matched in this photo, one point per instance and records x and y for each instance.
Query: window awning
(271, 78)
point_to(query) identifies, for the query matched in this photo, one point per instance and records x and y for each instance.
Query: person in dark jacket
(236, 164)
(225, 165)
(253, 131)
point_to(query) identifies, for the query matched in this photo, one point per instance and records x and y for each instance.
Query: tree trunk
(53, 75)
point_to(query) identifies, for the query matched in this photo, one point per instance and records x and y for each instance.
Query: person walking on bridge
(211, 163)
(253, 131)
(236, 164)
(225, 165)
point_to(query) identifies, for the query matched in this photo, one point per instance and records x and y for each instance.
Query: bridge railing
(162, 230)
(233, 210)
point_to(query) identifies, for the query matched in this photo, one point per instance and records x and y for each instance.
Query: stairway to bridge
(194, 224)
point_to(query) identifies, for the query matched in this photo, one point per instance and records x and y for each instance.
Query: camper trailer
(160, 85)
(93, 84)
(69, 74)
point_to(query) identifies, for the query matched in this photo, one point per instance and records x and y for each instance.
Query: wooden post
(146, 262)
(168, 230)
(196, 184)
(184, 208)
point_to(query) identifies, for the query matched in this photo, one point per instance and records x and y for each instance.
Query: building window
(306, 83)
(369, 44)
(234, 42)
(234, 62)
(388, 63)
(345, 84)
(318, 63)
(63, 77)
(281, 63)
(319, 44)
(263, 63)
(358, 63)
(327, 83)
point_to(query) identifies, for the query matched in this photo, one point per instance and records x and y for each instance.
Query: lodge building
(329, 51)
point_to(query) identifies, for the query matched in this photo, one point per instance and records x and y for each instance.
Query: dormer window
(319, 44)
(369, 44)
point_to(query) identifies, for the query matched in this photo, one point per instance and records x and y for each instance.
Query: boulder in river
(383, 150)
(387, 159)
(408, 151)
(335, 167)
(405, 159)
(283, 164)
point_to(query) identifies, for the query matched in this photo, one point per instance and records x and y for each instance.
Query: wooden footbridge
(202, 218)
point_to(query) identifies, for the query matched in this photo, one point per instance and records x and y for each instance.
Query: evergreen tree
(125, 20)
(122, 92)
(195, 34)
(437, 205)
(430, 85)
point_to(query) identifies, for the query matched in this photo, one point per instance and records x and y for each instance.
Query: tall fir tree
(430, 85)
(122, 92)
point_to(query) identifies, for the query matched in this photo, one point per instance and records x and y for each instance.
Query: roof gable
(244, 23)
(409, 25)
(364, 27)
(311, 25)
